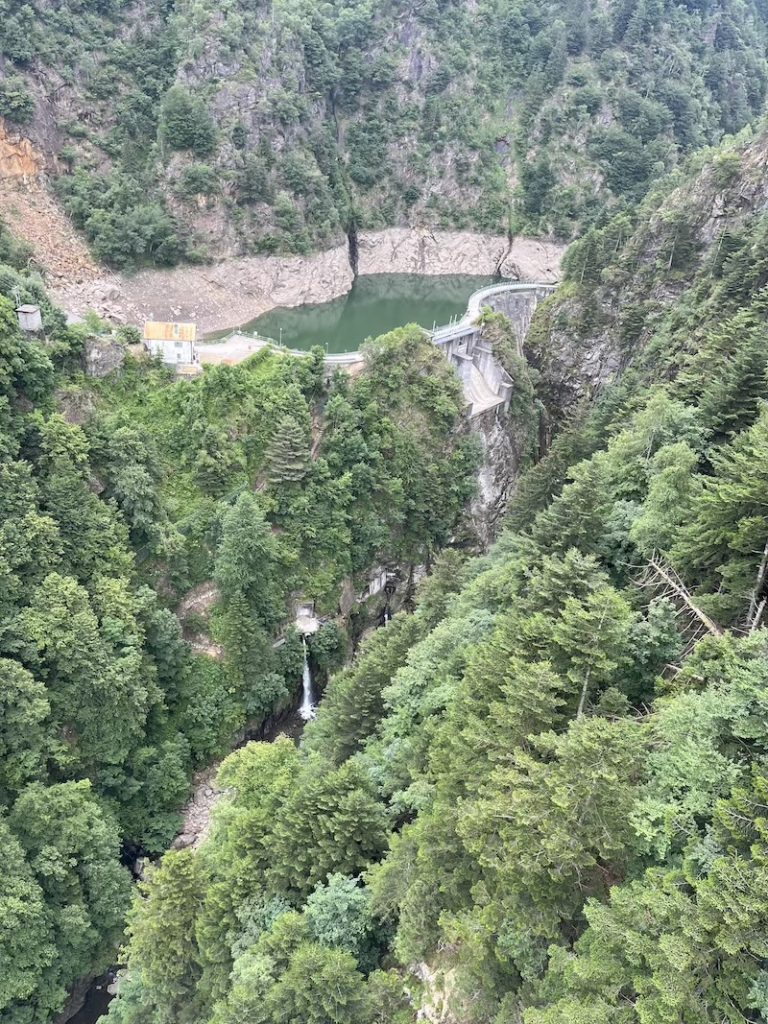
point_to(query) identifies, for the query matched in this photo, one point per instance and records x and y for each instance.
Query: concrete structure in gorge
(486, 384)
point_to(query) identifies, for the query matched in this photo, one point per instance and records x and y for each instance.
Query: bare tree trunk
(585, 687)
(755, 603)
(758, 616)
(680, 590)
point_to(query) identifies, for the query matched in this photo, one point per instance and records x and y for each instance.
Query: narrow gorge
(383, 560)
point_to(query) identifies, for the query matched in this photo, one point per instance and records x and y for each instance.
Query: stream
(96, 1001)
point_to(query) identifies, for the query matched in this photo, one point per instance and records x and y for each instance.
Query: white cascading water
(387, 615)
(307, 709)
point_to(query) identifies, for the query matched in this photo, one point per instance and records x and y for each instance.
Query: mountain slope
(192, 129)
(155, 536)
(540, 797)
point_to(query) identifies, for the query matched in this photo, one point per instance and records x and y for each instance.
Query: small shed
(173, 342)
(30, 318)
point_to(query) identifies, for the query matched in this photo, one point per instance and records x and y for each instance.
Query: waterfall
(387, 615)
(307, 709)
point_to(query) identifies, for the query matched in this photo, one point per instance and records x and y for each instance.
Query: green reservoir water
(376, 304)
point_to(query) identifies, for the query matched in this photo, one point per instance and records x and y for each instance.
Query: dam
(486, 383)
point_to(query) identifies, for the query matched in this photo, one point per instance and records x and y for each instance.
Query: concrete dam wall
(486, 384)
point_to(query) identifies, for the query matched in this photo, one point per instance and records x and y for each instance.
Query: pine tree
(287, 455)
(162, 930)
(333, 821)
(720, 547)
(592, 639)
(249, 562)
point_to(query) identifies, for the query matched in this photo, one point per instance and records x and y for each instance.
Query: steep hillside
(155, 535)
(701, 228)
(541, 797)
(197, 129)
(31, 213)
(647, 294)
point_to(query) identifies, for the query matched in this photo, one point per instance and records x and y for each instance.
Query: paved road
(238, 347)
(233, 350)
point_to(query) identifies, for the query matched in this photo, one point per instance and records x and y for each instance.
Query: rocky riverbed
(198, 812)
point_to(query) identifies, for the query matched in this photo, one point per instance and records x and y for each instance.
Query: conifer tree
(162, 929)
(287, 455)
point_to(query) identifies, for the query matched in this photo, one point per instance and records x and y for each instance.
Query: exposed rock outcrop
(438, 986)
(504, 440)
(497, 476)
(420, 251)
(18, 156)
(103, 356)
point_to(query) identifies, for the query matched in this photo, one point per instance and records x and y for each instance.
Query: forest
(118, 497)
(541, 795)
(190, 129)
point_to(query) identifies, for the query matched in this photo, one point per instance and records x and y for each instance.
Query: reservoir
(377, 303)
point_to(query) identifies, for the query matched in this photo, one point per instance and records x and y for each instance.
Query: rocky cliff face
(506, 439)
(199, 130)
(19, 159)
(623, 282)
(425, 251)
(497, 475)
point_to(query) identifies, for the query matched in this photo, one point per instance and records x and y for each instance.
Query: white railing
(476, 301)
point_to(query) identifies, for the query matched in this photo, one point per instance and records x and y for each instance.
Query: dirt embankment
(226, 294)
(34, 216)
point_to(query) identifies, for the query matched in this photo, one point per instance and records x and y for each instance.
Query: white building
(30, 318)
(173, 342)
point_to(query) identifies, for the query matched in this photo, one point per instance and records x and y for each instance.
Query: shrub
(15, 101)
(185, 122)
(197, 180)
(127, 334)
